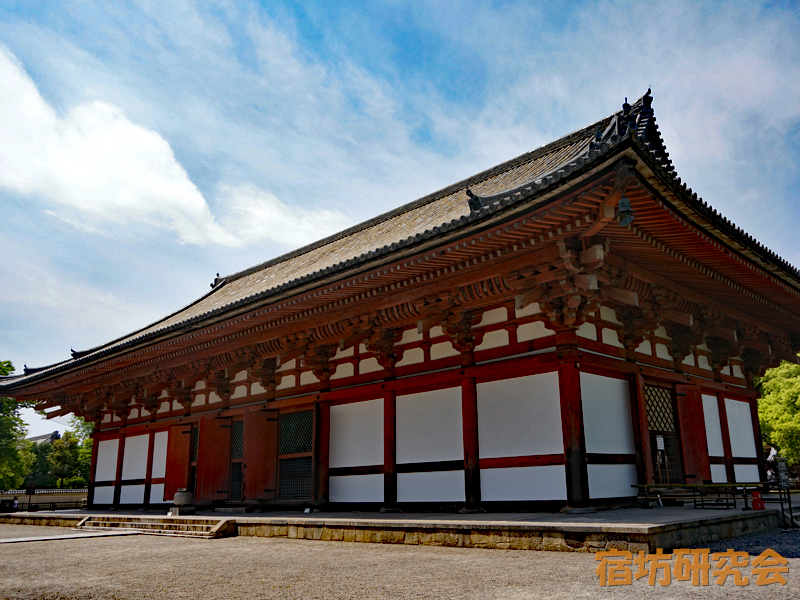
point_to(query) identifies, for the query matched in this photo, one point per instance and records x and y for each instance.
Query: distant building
(47, 438)
(549, 332)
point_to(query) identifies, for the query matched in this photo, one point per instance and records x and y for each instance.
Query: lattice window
(297, 431)
(237, 439)
(666, 461)
(660, 410)
(236, 481)
(295, 478)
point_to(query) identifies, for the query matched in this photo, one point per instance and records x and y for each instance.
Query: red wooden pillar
(390, 448)
(762, 462)
(569, 384)
(469, 413)
(641, 432)
(726, 438)
(321, 451)
(692, 428)
(149, 473)
(118, 476)
(92, 470)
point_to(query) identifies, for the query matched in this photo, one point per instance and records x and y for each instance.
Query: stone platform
(631, 529)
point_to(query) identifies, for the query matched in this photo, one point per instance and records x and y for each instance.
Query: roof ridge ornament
(475, 202)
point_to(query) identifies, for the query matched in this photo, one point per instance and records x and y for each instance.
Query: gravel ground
(8, 532)
(245, 567)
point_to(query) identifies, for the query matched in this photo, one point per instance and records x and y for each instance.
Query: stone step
(133, 525)
(164, 532)
(197, 528)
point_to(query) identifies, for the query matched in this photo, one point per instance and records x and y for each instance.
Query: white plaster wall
(612, 481)
(164, 407)
(134, 460)
(490, 317)
(440, 486)
(429, 426)
(160, 454)
(719, 474)
(530, 310)
(520, 416)
(410, 336)
(131, 494)
(177, 405)
(533, 331)
(611, 338)
(256, 388)
(356, 437)
(106, 469)
(663, 352)
(737, 371)
(344, 353)
(288, 366)
(645, 348)
(607, 424)
(356, 488)
(588, 331)
(608, 314)
(713, 429)
(740, 428)
(287, 381)
(240, 376)
(689, 360)
(443, 350)
(746, 473)
(702, 362)
(344, 370)
(412, 356)
(199, 400)
(524, 483)
(106, 419)
(157, 493)
(134, 413)
(494, 339)
(239, 392)
(369, 365)
(104, 494)
(307, 378)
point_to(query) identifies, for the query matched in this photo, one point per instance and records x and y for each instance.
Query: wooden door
(213, 460)
(692, 427)
(179, 448)
(260, 454)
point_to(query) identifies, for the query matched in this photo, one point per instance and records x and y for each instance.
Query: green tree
(39, 474)
(83, 430)
(779, 409)
(63, 457)
(12, 438)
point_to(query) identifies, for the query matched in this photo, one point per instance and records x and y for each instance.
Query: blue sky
(147, 146)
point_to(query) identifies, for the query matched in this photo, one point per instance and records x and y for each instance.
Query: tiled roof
(447, 209)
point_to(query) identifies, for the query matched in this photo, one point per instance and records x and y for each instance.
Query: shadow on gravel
(785, 544)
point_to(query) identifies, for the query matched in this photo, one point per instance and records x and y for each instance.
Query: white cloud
(97, 169)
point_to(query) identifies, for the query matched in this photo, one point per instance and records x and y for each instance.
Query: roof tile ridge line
(424, 200)
(447, 226)
(378, 252)
(717, 219)
(90, 351)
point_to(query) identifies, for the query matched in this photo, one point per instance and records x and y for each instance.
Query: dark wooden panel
(364, 470)
(522, 461)
(213, 460)
(469, 414)
(260, 454)
(179, 449)
(692, 426)
(430, 467)
(390, 448)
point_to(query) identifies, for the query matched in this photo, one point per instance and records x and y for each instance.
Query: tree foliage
(63, 457)
(779, 409)
(12, 438)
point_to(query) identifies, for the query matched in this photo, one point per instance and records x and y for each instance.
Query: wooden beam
(469, 413)
(569, 385)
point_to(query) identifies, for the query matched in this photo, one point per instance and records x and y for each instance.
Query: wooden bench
(702, 495)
